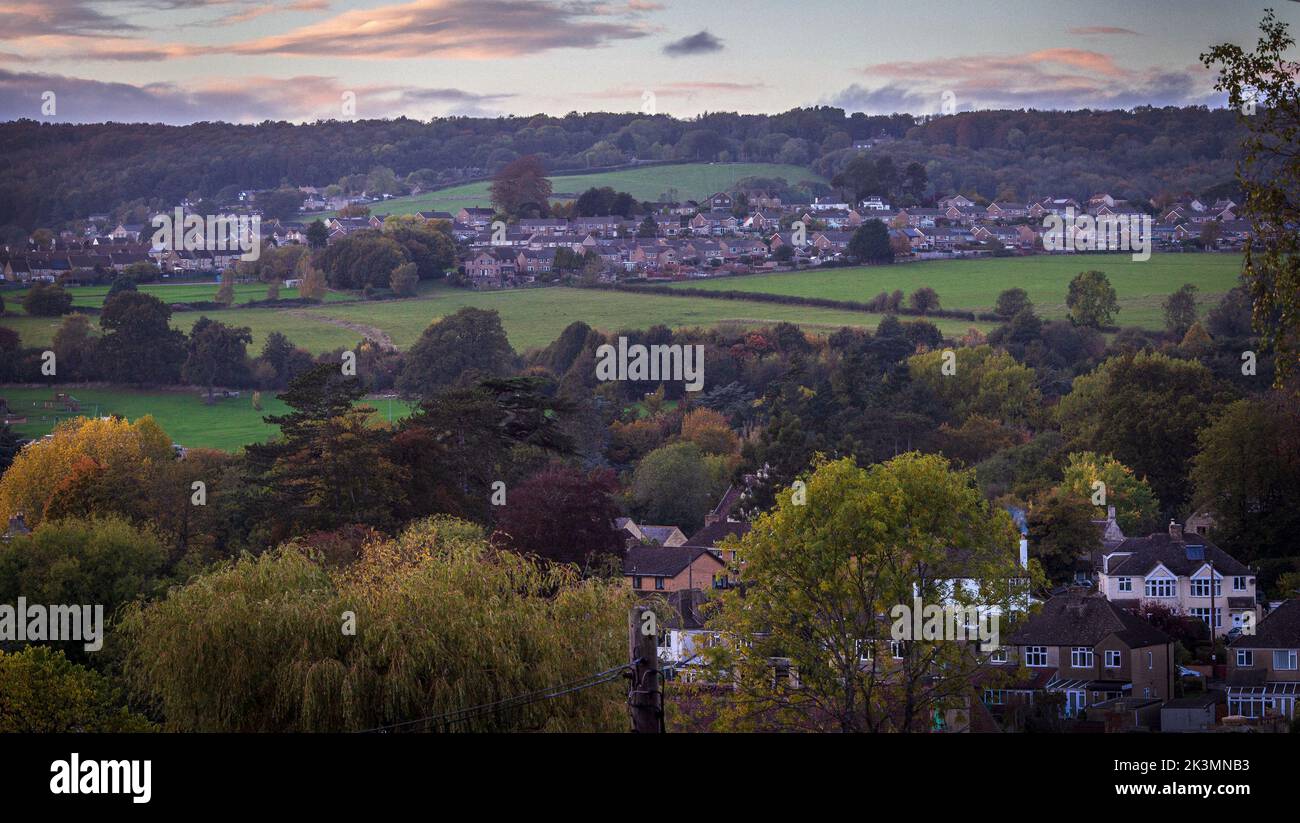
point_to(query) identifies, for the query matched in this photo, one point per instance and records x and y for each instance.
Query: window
(1112, 659)
(1036, 656)
(1239, 584)
(636, 582)
(1081, 657)
(1201, 587)
(1160, 587)
(1245, 658)
(896, 649)
(998, 655)
(659, 583)
(1205, 614)
(1126, 584)
(866, 651)
(1284, 660)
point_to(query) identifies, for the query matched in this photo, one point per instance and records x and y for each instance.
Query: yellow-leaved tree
(121, 455)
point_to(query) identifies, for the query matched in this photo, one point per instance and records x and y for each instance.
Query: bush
(46, 300)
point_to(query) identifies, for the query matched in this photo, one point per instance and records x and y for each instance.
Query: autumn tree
(1136, 509)
(114, 454)
(711, 431)
(442, 622)
(521, 188)
(1262, 87)
(562, 514)
(818, 570)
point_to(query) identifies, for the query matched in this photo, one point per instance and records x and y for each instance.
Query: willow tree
(821, 575)
(420, 627)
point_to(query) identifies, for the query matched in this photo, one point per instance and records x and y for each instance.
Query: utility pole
(645, 703)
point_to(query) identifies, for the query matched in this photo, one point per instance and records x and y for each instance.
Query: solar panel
(1195, 552)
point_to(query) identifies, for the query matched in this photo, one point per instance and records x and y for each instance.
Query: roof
(714, 533)
(663, 561)
(1163, 548)
(1197, 701)
(1280, 630)
(1086, 620)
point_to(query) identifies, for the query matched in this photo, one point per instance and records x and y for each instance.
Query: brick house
(1089, 649)
(1264, 667)
(650, 568)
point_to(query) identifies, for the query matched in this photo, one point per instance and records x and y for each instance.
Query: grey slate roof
(1086, 620)
(1280, 630)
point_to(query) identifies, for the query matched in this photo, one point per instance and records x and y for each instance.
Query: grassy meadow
(1141, 286)
(693, 181)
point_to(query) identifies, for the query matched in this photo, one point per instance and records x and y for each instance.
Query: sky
(183, 61)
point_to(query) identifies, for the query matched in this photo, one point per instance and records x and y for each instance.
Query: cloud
(35, 18)
(237, 100)
(1045, 79)
(699, 43)
(1092, 30)
(462, 29)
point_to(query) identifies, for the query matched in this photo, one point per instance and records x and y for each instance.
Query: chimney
(1024, 553)
(1175, 530)
(1110, 512)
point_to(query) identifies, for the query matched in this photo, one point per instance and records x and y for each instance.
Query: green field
(975, 284)
(535, 317)
(693, 181)
(187, 292)
(184, 414)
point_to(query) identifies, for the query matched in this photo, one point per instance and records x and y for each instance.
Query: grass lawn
(975, 284)
(185, 415)
(535, 317)
(693, 181)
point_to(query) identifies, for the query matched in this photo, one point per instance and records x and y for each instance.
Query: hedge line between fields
(795, 300)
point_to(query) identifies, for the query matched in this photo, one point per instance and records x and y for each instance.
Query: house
(682, 636)
(1186, 573)
(655, 568)
(17, 528)
(662, 535)
(475, 217)
(720, 201)
(1263, 667)
(1090, 650)
(491, 268)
